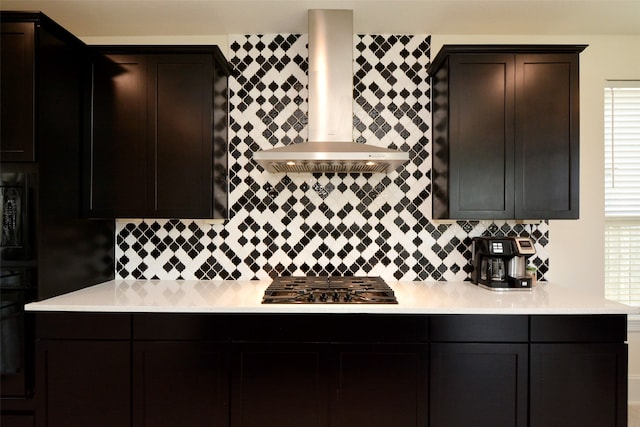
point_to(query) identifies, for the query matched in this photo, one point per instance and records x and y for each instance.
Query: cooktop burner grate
(329, 290)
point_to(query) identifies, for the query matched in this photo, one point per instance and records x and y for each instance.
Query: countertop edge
(244, 297)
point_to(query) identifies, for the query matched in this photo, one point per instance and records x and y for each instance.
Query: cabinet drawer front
(183, 326)
(576, 328)
(479, 328)
(330, 328)
(94, 326)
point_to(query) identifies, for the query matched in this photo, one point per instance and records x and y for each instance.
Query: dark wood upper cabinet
(41, 77)
(505, 132)
(40, 84)
(117, 157)
(17, 125)
(156, 141)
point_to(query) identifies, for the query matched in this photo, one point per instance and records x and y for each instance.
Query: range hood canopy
(330, 147)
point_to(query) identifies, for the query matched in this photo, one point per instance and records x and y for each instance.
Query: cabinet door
(116, 177)
(478, 385)
(380, 385)
(578, 385)
(481, 130)
(180, 128)
(547, 136)
(279, 385)
(84, 383)
(17, 124)
(180, 383)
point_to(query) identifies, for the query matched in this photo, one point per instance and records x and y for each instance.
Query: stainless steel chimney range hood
(330, 147)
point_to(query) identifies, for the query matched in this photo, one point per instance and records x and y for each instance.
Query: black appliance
(329, 289)
(499, 263)
(17, 281)
(16, 331)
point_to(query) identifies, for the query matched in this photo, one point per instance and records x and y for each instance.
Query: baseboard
(634, 389)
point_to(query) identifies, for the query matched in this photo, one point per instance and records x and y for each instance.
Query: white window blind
(622, 191)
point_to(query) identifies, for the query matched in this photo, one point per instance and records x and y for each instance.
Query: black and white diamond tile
(360, 224)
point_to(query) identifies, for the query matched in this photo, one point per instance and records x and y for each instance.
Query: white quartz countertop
(227, 296)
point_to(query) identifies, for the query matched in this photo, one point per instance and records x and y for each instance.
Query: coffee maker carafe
(499, 263)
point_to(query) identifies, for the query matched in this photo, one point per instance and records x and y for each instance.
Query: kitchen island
(448, 354)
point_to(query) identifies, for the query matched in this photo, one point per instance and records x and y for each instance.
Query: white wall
(576, 248)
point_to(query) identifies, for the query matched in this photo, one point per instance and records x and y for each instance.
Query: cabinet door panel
(578, 385)
(478, 385)
(279, 385)
(180, 383)
(118, 135)
(547, 136)
(84, 383)
(181, 125)
(17, 124)
(481, 124)
(380, 385)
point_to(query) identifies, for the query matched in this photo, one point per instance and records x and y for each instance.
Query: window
(622, 191)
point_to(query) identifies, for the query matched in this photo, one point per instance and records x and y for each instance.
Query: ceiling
(105, 18)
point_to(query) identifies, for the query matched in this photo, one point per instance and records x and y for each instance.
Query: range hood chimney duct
(330, 147)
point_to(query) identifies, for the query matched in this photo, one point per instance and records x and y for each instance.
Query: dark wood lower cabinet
(379, 385)
(329, 384)
(479, 384)
(581, 385)
(279, 385)
(246, 370)
(84, 383)
(181, 383)
(83, 369)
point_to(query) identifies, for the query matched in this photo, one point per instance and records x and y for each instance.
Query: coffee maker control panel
(498, 248)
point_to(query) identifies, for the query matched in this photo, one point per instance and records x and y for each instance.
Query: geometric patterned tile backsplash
(325, 224)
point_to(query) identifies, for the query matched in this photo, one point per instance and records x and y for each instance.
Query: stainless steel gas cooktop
(329, 290)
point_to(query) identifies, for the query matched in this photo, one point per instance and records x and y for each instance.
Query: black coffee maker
(499, 263)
